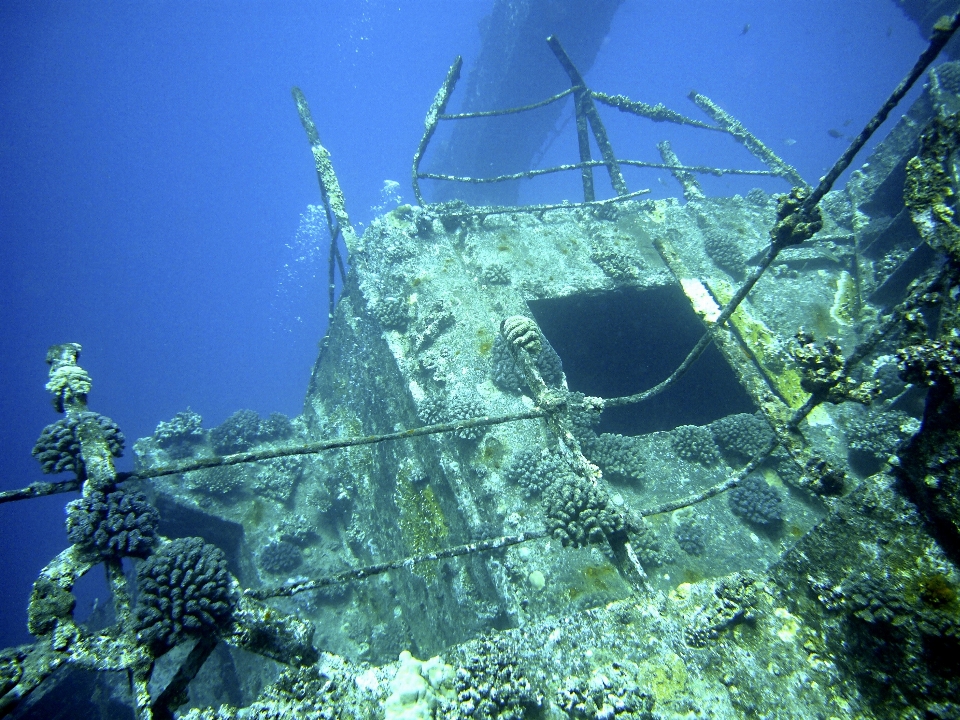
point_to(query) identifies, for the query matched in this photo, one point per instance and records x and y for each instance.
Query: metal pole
(585, 106)
(433, 117)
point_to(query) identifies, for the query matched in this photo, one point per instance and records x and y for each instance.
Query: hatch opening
(623, 342)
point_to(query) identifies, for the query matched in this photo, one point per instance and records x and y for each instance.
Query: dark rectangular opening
(624, 342)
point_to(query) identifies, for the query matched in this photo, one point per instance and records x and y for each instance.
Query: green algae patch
(421, 519)
(763, 345)
(846, 300)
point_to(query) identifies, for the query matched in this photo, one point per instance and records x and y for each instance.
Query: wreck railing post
(433, 117)
(331, 195)
(583, 99)
(583, 142)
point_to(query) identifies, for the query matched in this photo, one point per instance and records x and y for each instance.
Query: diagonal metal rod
(942, 32)
(433, 117)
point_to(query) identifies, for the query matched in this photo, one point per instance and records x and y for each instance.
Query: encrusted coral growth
(432, 409)
(929, 190)
(238, 432)
(321, 691)
(180, 435)
(534, 470)
(185, 589)
(432, 321)
(615, 264)
(578, 513)
(49, 603)
(903, 630)
(756, 502)
(69, 384)
(930, 362)
(490, 684)
(418, 688)
(734, 599)
(873, 598)
(741, 437)
(296, 529)
(392, 312)
(647, 545)
(602, 697)
(506, 375)
(280, 558)
(115, 524)
(312, 692)
(435, 409)
(58, 448)
(463, 407)
(725, 252)
(786, 467)
(875, 436)
(244, 429)
(618, 456)
(792, 226)
(495, 274)
(11, 668)
(277, 478)
(522, 332)
(822, 364)
(822, 371)
(759, 197)
(217, 481)
(277, 426)
(583, 416)
(690, 536)
(695, 443)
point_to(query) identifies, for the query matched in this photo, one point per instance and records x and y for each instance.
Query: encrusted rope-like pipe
(329, 184)
(691, 188)
(508, 111)
(379, 568)
(702, 169)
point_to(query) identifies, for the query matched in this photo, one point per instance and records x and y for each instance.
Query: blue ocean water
(155, 174)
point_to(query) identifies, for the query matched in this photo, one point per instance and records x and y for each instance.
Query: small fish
(789, 141)
(746, 29)
(834, 133)
(847, 122)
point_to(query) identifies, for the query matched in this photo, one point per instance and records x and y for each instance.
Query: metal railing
(588, 120)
